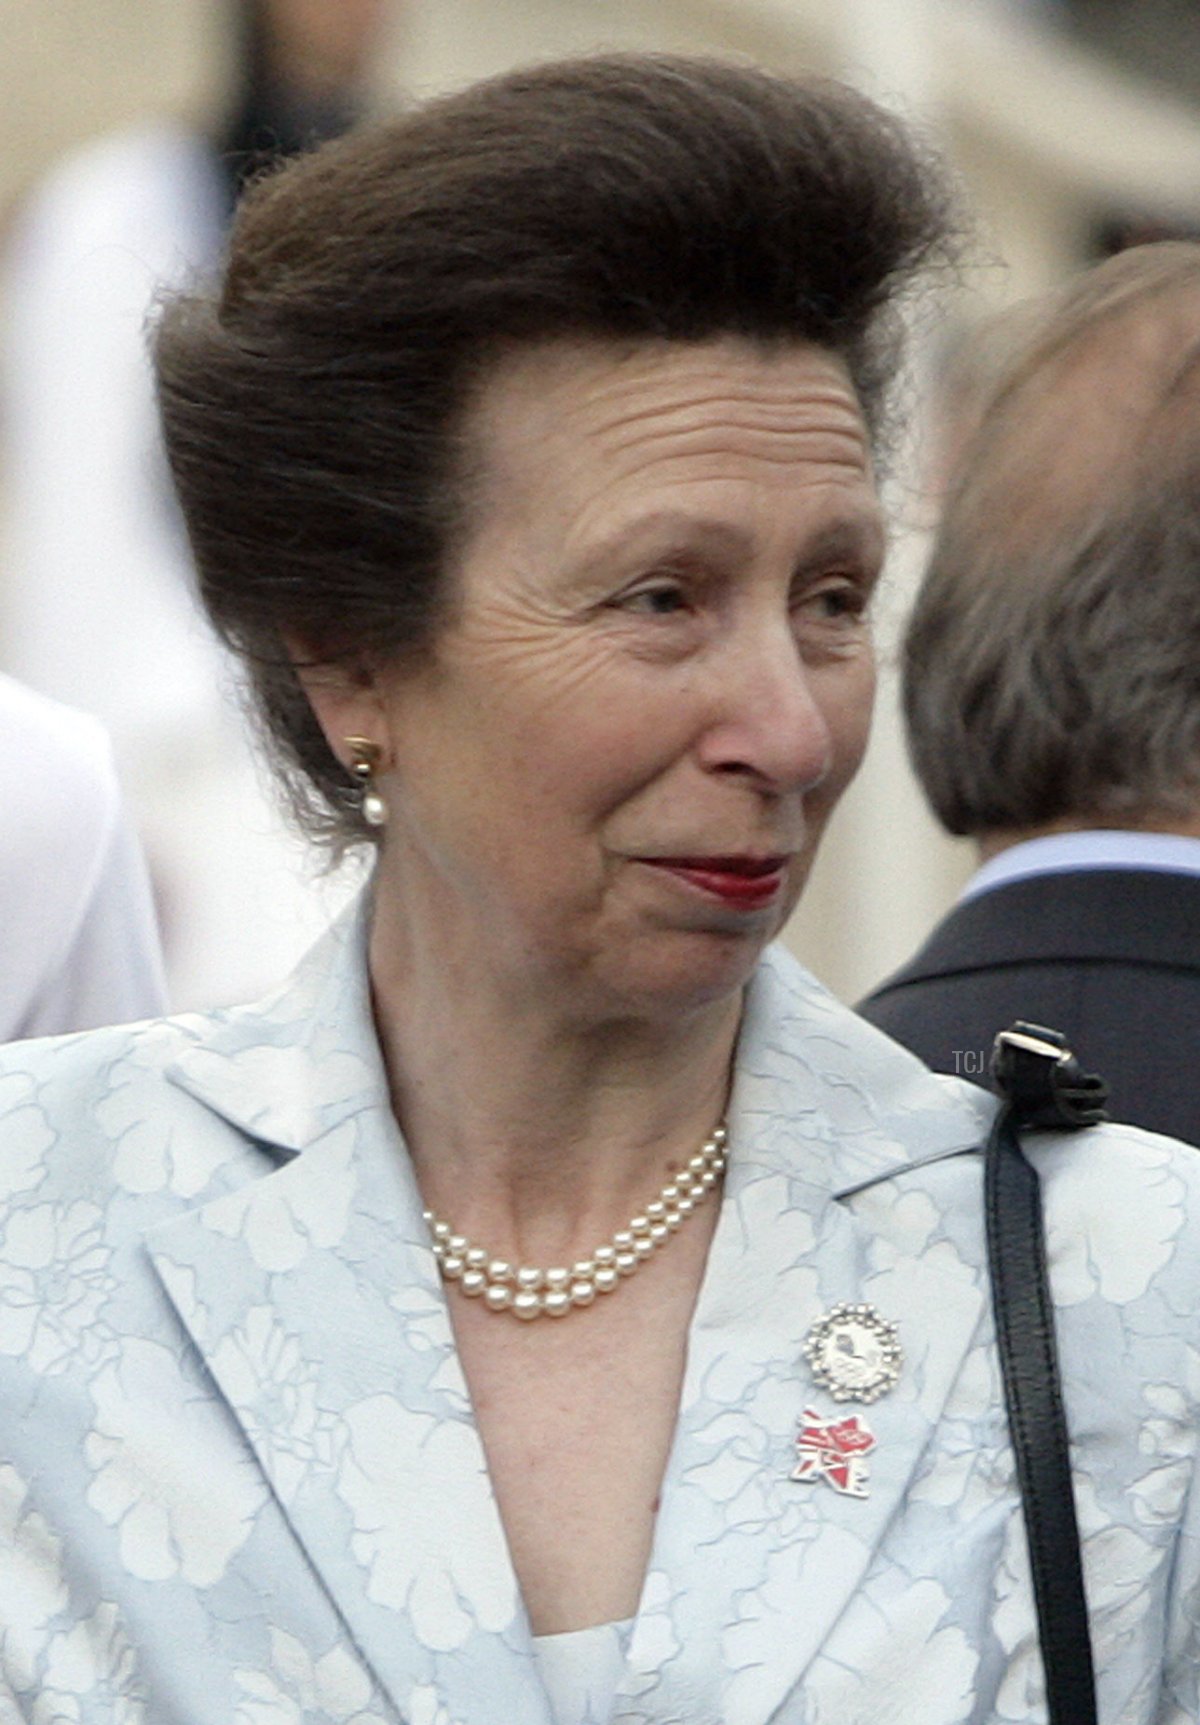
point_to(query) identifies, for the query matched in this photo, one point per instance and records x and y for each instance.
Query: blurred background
(124, 128)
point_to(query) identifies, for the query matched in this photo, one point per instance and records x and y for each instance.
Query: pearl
(673, 1219)
(639, 1224)
(659, 1232)
(582, 1293)
(604, 1256)
(685, 1206)
(643, 1246)
(627, 1263)
(473, 1282)
(441, 1230)
(497, 1296)
(605, 1279)
(556, 1303)
(709, 1179)
(584, 1269)
(557, 1278)
(623, 1241)
(452, 1266)
(528, 1277)
(698, 1163)
(476, 1258)
(500, 1270)
(527, 1304)
(654, 1209)
(670, 1193)
(457, 1243)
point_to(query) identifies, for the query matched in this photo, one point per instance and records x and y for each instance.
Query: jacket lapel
(314, 1300)
(751, 1567)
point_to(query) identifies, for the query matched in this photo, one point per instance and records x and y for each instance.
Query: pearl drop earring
(364, 759)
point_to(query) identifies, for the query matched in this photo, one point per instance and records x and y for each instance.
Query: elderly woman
(552, 1306)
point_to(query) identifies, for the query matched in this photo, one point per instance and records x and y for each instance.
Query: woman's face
(612, 774)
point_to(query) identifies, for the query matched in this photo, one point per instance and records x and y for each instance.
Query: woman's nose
(767, 722)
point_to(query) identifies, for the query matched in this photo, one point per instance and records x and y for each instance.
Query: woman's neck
(535, 1131)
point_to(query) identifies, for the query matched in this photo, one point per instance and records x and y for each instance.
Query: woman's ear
(347, 702)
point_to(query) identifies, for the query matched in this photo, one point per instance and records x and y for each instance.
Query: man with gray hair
(1052, 693)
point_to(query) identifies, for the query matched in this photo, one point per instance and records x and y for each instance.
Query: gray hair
(1052, 661)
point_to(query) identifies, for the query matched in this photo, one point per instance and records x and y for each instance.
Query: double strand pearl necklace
(526, 1292)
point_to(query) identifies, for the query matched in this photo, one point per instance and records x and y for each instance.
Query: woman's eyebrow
(667, 531)
(859, 539)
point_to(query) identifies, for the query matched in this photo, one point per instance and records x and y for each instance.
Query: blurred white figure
(99, 610)
(77, 929)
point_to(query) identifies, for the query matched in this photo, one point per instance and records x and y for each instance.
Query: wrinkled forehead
(623, 405)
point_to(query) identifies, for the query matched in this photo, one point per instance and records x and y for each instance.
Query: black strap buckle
(1042, 1081)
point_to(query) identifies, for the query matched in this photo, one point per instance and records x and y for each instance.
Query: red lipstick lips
(748, 882)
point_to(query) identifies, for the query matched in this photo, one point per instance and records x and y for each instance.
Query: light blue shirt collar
(1097, 847)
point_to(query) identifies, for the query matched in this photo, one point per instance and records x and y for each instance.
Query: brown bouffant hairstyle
(1052, 660)
(313, 404)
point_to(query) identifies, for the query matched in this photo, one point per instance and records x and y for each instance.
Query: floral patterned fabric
(240, 1483)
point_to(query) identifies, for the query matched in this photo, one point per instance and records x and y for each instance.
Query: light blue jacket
(240, 1483)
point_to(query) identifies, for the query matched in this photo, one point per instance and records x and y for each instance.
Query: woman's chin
(686, 971)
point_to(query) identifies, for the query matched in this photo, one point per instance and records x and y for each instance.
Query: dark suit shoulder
(1109, 957)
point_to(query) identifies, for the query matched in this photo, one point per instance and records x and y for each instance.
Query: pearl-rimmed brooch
(854, 1353)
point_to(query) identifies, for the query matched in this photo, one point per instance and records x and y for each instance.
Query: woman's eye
(659, 601)
(844, 602)
(831, 619)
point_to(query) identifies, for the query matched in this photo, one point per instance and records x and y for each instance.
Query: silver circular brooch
(854, 1353)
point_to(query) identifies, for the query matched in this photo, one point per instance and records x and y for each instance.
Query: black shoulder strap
(1042, 1085)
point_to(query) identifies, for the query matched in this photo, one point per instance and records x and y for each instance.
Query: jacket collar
(289, 1069)
(819, 1089)
(858, 1107)
(322, 1267)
